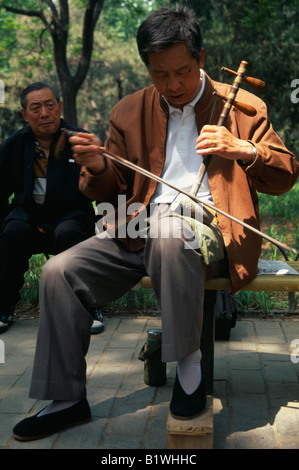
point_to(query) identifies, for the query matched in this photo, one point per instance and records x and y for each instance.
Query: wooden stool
(195, 433)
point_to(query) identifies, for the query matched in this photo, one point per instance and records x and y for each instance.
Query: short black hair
(167, 27)
(35, 87)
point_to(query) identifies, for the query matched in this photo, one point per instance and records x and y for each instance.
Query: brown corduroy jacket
(138, 131)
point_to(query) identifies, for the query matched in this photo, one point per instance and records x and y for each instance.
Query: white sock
(57, 406)
(189, 372)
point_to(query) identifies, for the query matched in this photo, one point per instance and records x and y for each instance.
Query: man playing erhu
(166, 128)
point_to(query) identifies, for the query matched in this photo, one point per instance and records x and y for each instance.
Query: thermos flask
(154, 368)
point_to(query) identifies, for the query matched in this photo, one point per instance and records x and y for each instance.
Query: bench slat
(264, 282)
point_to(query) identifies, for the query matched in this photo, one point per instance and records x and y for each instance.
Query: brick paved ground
(256, 389)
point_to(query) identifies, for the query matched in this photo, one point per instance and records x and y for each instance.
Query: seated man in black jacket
(48, 213)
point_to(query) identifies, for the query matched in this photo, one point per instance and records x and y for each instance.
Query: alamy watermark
(295, 93)
(2, 92)
(2, 352)
(295, 352)
(155, 221)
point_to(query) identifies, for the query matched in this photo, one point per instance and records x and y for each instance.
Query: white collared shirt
(182, 162)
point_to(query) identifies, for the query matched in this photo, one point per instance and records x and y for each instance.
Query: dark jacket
(63, 197)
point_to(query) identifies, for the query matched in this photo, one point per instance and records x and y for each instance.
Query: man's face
(176, 74)
(42, 112)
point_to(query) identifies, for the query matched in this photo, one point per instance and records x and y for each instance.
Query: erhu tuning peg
(255, 83)
(243, 107)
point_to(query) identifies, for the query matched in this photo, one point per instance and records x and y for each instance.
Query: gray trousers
(100, 270)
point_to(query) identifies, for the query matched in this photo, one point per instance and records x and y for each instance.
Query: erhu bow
(231, 101)
(148, 174)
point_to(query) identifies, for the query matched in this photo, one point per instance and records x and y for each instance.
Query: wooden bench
(265, 282)
(198, 433)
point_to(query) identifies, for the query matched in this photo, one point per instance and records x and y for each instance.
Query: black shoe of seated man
(6, 318)
(184, 406)
(35, 427)
(98, 322)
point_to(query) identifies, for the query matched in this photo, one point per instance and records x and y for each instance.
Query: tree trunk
(58, 28)
(69, 103)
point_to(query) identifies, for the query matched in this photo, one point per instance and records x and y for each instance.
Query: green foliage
(136, 301)
(263, 32)
(123, 18)
(285, 205)
(30, 290)
(116, 72)
(8, 38)
(264, 301)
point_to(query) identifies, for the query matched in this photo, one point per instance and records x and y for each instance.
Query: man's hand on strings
(87, 150)
(218, 140)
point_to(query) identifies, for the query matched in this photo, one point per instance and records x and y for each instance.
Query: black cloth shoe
(98, 322)
(35, 427)
(6, 318)
(184, 406)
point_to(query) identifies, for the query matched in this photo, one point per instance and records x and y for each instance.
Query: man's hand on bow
(87, 150)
